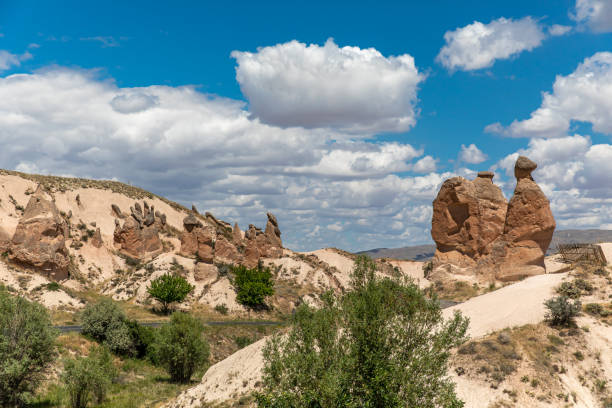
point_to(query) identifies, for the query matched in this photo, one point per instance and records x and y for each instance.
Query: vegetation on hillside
(383, 344)
(27, 347)
(180, 346)
(253, 285)
(169, 288)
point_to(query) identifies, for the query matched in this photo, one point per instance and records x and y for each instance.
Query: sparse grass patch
(457, 291)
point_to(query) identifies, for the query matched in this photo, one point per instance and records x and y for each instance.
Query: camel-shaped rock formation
(478, 232)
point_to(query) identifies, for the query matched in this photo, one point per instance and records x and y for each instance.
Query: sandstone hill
(113, 239)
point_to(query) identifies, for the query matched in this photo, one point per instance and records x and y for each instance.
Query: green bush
(222, 308)
(106, 323)
(53, 286)
(594, 309)
(87, 379)
(253, 285)
(561, 311)
(180, 347)
(168, 289)
(382, 344)
(143, 338)
(575, 289)
(569, 290)
(27, 347)
(243, 341)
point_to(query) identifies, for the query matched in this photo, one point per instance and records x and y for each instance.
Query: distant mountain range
(425, 252)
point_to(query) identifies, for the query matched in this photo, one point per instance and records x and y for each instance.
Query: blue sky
(250, 107)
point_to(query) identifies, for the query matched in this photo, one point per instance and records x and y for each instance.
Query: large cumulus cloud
(585, 95)
(345, 88)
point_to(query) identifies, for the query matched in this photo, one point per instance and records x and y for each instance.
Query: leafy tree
(27, 347)
(383, 344)
(180, 346)
(87, 379)
(561, 311)
(105, 322)
(253, 285)
(168, 289)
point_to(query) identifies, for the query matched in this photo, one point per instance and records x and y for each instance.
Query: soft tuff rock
(138, 237)
(477, 232)
(96, 240)
(39, 240)
(197, 239)
(529, 227)
(467, 217)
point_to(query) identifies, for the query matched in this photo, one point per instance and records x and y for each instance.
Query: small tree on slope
(168, 289)
(383, 344)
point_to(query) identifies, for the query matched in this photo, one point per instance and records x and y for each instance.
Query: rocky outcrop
(260, 244)
(198, 239)
(96, 239)
(40, 238)
(236, 234)
(138, 237)
(529, 226)
(467, 217)
(477, 232)
(272, 231)
(211, 240)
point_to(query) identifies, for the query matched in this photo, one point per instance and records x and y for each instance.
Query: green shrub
(87, 379)
(143, 338)
(180, 347)
(561, 311)
(53, 286)
(594, 309)
(27, 347)
(382, 344)
(222, 308)
(243, 341)
(584, 286)
(568, 289)
(105, 322)
(253, 285)
(168, 289)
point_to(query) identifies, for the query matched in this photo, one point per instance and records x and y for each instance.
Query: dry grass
(62, 184)
(457, 291)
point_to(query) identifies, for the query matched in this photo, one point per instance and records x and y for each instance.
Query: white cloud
(200, 148)
(8, 60)
(345, 88)
(361, 160)
(425, 165)
(134, 102)
(479, 45)
(585, 95)
(595, 14)
(471, 154)
(574, 174)
(558, 29)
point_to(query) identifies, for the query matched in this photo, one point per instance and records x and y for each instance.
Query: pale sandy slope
(513, 305)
